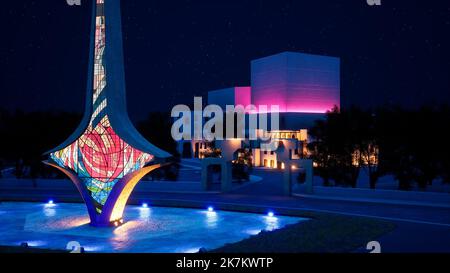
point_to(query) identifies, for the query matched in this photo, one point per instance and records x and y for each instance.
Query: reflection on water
(271, 223)
(189, 250)
(71, 222)
(123, 234)
(32, 243)
(49, 211)
(211, 219)
(252, 231)
(93, 248)
(153, 229)
(144, 213)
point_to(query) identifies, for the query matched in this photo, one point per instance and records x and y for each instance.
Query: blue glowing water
(152, 229)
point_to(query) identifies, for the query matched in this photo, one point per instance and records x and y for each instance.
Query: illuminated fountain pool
(147, 229)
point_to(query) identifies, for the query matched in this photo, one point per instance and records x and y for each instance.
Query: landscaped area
(324, 233)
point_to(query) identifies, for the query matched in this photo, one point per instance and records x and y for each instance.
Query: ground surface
(418, 228)
(30, 250)
(324, 234)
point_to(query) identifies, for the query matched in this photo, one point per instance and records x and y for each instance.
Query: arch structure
(106, 156)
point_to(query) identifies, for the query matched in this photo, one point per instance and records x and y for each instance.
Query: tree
(412, 144)
(364, 142)
(332, 149)
(157, 129)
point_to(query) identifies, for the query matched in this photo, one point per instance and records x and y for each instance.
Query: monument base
(115, 223)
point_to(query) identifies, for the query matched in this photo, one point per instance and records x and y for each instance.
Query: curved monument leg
(112, 212)
(81, 189)
(115, 205)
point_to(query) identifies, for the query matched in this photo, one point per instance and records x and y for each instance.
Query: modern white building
(303, 87)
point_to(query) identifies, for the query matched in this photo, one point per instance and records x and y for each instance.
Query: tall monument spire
(106, 156)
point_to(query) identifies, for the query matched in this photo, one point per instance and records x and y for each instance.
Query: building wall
(228, 147)
(195, 148)
(221, 97)
(242, 96)
(268, 159)
(256, 152)
(230, 96)
(305, 87)
(297, 82)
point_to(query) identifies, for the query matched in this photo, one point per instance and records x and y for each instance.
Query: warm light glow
(366, 157)
(122, 233)
(119, 206)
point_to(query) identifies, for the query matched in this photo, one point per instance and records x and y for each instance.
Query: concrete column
(287, 179)
(226, 173)
(204, 175)
(307, 165)
(226, 177)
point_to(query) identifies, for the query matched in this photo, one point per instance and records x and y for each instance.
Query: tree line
(411, 145)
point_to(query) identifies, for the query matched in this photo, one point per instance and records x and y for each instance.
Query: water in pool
(147, 229)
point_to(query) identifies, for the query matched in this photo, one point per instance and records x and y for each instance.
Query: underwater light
(210, 209)
(144, 205)
(50, 202)
(270, 214)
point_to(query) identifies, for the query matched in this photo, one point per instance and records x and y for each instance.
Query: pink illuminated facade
(296, 82)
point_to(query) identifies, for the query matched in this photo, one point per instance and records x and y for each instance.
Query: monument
(106, 156)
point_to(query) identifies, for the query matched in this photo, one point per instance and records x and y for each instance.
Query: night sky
(397, 53)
